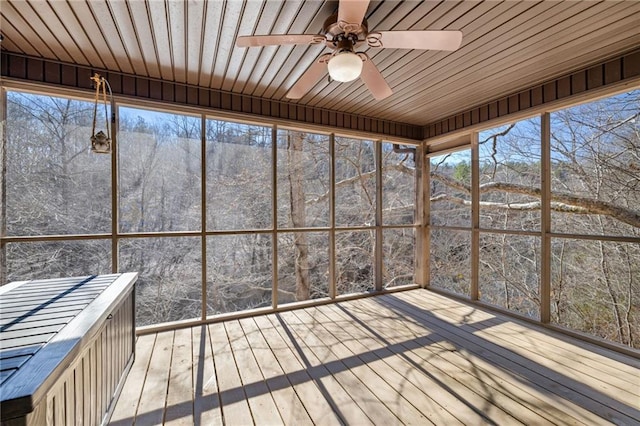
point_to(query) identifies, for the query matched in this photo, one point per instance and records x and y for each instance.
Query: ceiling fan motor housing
(341, 33)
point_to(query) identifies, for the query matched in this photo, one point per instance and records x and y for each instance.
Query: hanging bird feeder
(101, 142)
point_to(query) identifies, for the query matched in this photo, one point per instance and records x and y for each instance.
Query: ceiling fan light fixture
(345, 66)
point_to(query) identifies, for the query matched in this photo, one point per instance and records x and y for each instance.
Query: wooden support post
(115, 207)
(203, 217)
(475, 218)
(422, 219)
(274, 216)
(545, 252)
(332, 216)
(378, 252)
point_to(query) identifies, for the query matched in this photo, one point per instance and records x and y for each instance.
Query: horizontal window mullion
(159, 234)
(595, 237)
(509, 232)
(453, 228)
(43, 238)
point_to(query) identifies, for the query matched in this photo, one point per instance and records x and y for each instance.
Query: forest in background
(55, 186)
(595, 193)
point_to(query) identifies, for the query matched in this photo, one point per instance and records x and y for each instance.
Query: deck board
(595, 358)
(343, 405)
(235, 404)
(399, 356)
(179, 410)
(290, 407)
(579, 367)
(412, 357)
(317, 406)
(260, 399)
(388, 390)
(206, 401)
(355, 381)
(594, 365)
(152, 407)
(130, 396)
(487, 377)
(558, 382)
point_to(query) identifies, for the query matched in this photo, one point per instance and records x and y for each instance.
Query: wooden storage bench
(66, 345)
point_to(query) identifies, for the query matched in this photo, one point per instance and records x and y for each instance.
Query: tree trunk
(606, 274)
(295, 158)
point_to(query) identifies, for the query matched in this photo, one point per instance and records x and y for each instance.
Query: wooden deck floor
(412, 357)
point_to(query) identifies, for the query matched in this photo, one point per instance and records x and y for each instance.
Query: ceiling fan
(343, 32)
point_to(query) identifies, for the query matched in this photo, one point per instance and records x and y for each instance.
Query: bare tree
(595, 191)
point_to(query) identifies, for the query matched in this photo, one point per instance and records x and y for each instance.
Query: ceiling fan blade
(430, 40)
(273, 40)
(310, 77)
(372, 78)
(352, 12)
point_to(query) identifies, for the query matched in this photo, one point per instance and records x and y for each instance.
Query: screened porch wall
(217, 216)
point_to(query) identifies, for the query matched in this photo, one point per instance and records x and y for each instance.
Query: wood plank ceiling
(507, 46)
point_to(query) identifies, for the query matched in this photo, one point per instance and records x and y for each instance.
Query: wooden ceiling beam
(37, 70)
